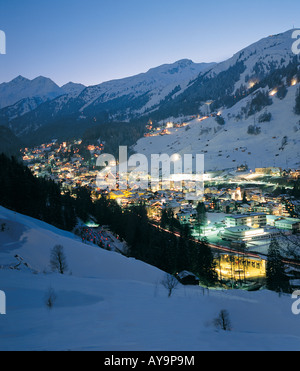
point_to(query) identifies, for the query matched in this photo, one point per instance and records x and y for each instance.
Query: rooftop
(238, 216)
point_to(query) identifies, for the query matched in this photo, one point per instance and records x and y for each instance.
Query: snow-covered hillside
(20, 88)
(273, 51)
(19, 109)
(157, 83)
(228, 146)
(73, 89)
(171, 90)
(21, 96)
(112, 303)
(122, 99)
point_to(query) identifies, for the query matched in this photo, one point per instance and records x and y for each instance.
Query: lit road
(230, 251)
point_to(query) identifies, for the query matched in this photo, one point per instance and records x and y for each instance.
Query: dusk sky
(91, 41)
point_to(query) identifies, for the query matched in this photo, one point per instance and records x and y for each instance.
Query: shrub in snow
(265, 117)
(253, 130)
(222, 322)
(220, 120)
(50, 298)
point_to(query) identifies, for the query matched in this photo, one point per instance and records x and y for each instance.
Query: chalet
(187, 278)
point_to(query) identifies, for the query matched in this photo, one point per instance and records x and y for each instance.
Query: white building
(251, 220)
(244, 233)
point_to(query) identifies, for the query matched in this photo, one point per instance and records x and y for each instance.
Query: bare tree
(223, 321)
(58, 259)
(170, 283)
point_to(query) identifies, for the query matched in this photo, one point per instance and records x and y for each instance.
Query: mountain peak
(19, 79)
(73, 88)
(21, 87)
(184, 62)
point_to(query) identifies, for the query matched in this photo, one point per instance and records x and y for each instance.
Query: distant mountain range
(40, 88)
(32, 105)
(38, 110)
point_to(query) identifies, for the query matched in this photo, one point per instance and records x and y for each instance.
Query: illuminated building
(250, 220)
(243, 233)
(290, 224)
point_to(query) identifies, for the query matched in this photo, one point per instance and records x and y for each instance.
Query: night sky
(91, 41)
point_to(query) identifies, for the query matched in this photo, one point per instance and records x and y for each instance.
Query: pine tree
(204, 265)
(201, 218)
(276, 279)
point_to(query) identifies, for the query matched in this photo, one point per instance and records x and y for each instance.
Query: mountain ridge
(238, 89)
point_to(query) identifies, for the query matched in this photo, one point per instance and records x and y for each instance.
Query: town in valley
(239, 212)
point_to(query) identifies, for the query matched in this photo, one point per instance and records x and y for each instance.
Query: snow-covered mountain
(146, 90)
(73, 89)
(21, 96)
(259, 58)
(20, 88)
(260, 79)
(254, 93)
(110, 303)
(19, 109)
(266, 62)
(120, 99)
(276, 142)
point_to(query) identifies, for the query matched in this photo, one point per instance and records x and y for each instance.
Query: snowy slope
(33, 241)
(157, 82)
(113, 303)
(73, 89)
(274, 50)
(122, 99)
(20, 88)
(19, 109)
(230, 145)
(21, 96)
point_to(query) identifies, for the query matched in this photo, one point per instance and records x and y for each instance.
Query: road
(232, 251)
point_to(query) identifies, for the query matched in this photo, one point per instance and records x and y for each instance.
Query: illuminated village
(242, 212)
